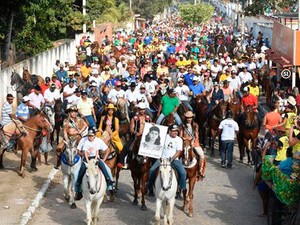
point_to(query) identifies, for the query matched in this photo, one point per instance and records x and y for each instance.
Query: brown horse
(139, 167)
(189, 161)
(122, 114)
(217, 114)
(235, 106)
(58, 118)
(249, 130)
(31, 142)
(168, 120)
(201, 105)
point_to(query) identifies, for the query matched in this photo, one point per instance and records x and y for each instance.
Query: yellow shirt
(85, 71)
(181, 63)
(161, 70)
(290, 120)
(223, 77)
(281, 154)
(296, 147)
(85, 107)
(254, 90)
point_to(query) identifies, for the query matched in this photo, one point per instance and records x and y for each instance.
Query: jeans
(187, 104)
(91, 121)
(105, 170)
(177, 164)
(227, 146)
(162, 116)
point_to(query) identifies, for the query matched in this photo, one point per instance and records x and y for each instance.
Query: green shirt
(169, 104)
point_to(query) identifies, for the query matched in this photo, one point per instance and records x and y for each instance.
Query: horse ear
(160, 159)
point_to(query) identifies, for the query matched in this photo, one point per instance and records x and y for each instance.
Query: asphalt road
(224, 197)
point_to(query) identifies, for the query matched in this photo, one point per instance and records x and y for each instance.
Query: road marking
(37, 200)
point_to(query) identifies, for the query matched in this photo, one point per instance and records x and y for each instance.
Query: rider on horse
(217, 96)
(190, 131)
(74, 128)
(110, 123)
(137, 125)
(90, 147)
(172, 149)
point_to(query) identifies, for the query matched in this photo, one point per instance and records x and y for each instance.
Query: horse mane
(92, 167)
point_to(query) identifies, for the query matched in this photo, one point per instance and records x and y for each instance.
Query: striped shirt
(6, 111)
(23, 111)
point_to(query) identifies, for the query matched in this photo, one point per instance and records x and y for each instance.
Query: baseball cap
(25, 99)
(246, 89)
(179, 79)
(173, 127)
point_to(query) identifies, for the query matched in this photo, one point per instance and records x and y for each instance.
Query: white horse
(165, 191)
(70, 167)
(93, 188)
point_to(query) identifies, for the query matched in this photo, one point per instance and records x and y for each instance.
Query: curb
(26, 216)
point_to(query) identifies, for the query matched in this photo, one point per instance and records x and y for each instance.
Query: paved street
(225, 197)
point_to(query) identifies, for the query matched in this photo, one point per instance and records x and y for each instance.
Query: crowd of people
(170, 59)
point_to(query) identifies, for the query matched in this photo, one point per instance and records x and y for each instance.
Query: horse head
(42, 122)
(49, 111)
(58, 106)
(221, 109)
(187, 152)
(15, 79)
(169, 120)
(92, 175)
(122, 109)
(166, 174)
(249, 116)
(70, 152)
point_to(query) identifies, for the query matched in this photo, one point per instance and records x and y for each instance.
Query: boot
(202, 167)
(58, 160)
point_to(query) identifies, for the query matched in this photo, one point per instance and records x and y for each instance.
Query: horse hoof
(135, 202)
(73, 206)
(67, 198)
(144, 208)
(190, 214)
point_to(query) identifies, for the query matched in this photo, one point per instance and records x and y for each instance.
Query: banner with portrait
(153, 140)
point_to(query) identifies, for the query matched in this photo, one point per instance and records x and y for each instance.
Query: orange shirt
(44, 87)
(249, 100)
(272, 119)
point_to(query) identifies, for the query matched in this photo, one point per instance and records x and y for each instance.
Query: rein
(30, 128)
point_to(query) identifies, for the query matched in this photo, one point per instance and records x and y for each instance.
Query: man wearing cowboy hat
(74, 128)
(137, 124)
(172, 149)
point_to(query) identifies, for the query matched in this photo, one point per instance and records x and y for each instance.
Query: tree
(196, 14)
(258, 7)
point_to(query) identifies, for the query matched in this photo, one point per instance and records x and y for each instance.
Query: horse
(201, 105)
(30, 142)
(93, 188)
(235, 106)
(248, 131)
(22, 87)
(58, 118)
(122, 114)
(189, 160)
(217, 114)
(70, 166)
(168, 120)
(139, 167)
(165, 191)
(49, 111)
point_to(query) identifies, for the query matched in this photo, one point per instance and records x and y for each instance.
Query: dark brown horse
(201, 105)
(31, 142)
(248, 134)
(168, 120)
(58, 118)
(139, 167)
(217, 114)
(235, 106)
(123, 115)
(189, 161)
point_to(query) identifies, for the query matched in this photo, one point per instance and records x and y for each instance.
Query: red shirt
(44, 87)
(172, 60)
(298, 99)
(249, 100)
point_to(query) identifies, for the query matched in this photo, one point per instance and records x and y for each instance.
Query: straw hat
(291, 100)
(111, 106)
(71, 108)
(189, 114)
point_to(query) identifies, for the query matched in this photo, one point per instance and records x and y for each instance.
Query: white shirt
(97, 79)
(74, 99)
(171, 146)
(142, 98)
(215, 70)
(114, 94)
(69, 90)
(182, 92)
(51, 96)
(245, 77)
(131, 96)
(234, 83)
(251, 66)
(150, 86)
(94, 146)
(229, 127)
(36, 100)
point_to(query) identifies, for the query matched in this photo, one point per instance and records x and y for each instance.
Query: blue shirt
(197, 89)
(189, 78)
(111, 82)
(23, 111)
(219, 95)
(171, 49)
(286, 166)
(61, 75)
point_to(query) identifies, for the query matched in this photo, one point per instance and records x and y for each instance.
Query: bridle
(165, 165)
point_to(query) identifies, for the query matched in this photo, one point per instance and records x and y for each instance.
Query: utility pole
(84, 14)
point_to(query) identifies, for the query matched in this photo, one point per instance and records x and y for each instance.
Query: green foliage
(259, 7)
(196, 14)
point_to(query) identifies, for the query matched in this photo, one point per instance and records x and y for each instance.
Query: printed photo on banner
(153, 140)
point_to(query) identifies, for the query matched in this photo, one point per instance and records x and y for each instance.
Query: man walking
(227, 129)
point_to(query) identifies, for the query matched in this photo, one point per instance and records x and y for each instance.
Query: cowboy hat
(189, 114)
(291, 100)
(111, 106)
(71, 108)
(142, 105)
